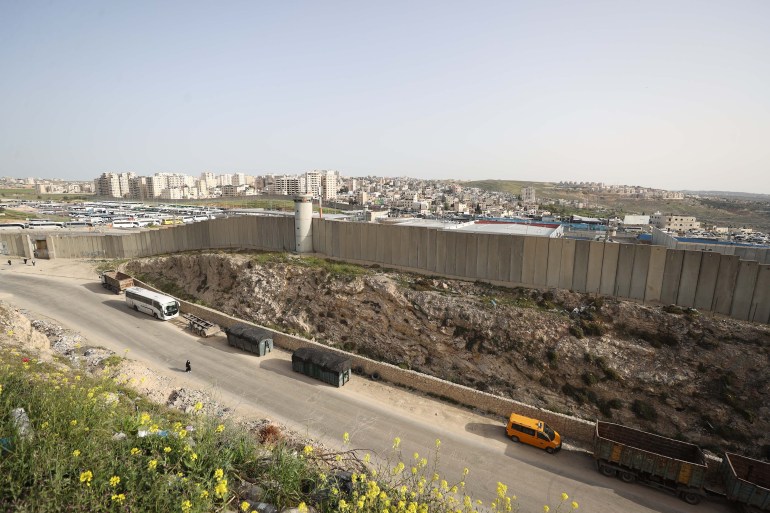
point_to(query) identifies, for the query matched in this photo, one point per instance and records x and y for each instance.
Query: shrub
(589, 378)
(644, 410)
(576, 331)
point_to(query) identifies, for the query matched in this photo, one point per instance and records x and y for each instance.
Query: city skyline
(669, 96)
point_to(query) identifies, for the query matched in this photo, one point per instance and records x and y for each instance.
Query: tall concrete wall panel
(461, 240)
(528, 261)
(541, 261)
(594, 274)
(688, 283)
(432, 256)
(707, 280)
(625, 270)
(471, 252)
(316, 226)
(493, 257)
(401, 246)
(553, 273)
(345, 241)
(655, 272)
(504, 257)
(580, 267)
(567, 271)
(414, 234)
(423, 239)
(381, 241)
(441, 251)
(392, 245)
(748, 272)
(452, 245)
(609, 268)
(725, 286)
(482, 250)
(672, 275)
(640, 270)
(517, 258)
(451, 241)
(760, 304)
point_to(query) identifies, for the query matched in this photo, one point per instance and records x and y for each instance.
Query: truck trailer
(660, 462)
(116, 281)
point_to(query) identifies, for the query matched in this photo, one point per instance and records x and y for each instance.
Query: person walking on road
(187, 367)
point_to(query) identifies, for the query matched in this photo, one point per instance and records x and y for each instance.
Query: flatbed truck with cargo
(680, 468)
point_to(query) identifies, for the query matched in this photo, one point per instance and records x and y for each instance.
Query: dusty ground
(649, 366)
(36, 331)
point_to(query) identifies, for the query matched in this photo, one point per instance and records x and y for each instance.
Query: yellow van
(533, 432)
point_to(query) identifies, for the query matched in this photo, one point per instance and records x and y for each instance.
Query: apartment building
(674, 222)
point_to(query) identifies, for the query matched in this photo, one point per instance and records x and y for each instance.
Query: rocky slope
(680, 373)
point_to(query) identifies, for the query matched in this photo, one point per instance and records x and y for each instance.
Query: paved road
(372, 413)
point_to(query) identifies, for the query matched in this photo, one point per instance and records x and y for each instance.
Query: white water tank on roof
(303, 223)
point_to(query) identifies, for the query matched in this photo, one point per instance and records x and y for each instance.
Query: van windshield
(548, 431)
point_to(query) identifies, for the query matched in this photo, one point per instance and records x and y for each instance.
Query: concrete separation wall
(708, 280)
(572, 429)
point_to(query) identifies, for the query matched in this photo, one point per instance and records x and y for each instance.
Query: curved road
(373, 413)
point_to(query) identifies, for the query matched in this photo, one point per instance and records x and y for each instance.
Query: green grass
(82, 451)
(9, 215)
(332, 267)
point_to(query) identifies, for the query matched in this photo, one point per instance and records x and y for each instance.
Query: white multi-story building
(288, 185)
(114, 185)
(313, 183)
(528, 196)
(674, 222)
(330, 185)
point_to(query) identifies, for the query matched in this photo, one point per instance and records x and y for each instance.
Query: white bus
(160, 306)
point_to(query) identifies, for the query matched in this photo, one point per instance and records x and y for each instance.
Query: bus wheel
(607, 471)
(549, 450)
(136, 308)
(514, 439)
(690, 498)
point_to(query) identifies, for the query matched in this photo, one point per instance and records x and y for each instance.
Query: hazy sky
(672, 94)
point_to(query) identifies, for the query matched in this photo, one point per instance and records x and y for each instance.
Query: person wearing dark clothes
(9, 262)
(33, 263)
(187, 367)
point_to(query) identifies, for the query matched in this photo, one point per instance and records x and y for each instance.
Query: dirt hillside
(677, 372)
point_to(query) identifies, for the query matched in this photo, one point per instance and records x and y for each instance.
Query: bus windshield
(172, 308)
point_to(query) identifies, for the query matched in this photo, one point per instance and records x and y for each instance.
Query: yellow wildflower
(307, 450)
(198, 406)
(167, 450)
(219, 473)
(204, 494)
(346, 438)
(152, 465)
(85, 477)
(186, 506)
(73, 422)
(438, 443)
(302, 507)
(244, 506)
(75, 453)
(546, 508)
(114, 481)
(574, 505)
(134, 451)
(564, 496)
(221, 489)
(220, 428)
(396, 442)
(119, 498)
